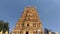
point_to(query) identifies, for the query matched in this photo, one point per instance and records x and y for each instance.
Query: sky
(48, 10)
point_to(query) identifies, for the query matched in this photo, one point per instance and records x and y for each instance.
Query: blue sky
(48, 10)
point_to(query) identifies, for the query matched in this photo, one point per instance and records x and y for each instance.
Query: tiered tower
(29, 23)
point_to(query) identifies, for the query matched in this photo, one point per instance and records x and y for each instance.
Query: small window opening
(27, 24)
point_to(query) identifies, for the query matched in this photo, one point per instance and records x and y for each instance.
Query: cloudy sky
(48, 10)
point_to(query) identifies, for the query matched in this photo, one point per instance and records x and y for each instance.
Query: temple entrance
(27, 32)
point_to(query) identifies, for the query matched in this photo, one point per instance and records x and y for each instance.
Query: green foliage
(4, 26)
(1, 25)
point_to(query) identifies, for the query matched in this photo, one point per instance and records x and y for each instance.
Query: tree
(4, 26)
(1, 25)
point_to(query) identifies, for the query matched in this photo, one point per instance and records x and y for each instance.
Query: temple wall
(4, 33)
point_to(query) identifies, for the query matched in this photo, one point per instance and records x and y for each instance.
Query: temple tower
(28, 23)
